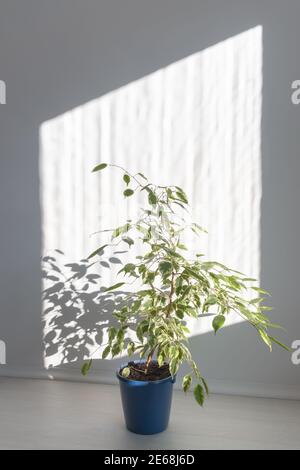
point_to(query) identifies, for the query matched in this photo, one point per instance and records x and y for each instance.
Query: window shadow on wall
(195, 123)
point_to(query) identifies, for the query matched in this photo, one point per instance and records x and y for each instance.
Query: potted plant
(172, 289)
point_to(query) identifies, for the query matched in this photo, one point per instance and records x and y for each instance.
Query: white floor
(36, 414)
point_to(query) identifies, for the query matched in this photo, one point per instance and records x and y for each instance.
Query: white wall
(60, 54)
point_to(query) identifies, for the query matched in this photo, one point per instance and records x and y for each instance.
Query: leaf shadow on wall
(76, 311)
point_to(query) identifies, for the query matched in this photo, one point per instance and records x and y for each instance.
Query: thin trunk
(171, 294)
(149, 360)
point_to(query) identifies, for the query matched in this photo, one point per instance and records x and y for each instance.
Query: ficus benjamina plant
(173, 287)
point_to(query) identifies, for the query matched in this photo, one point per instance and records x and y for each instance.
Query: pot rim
(143, 382)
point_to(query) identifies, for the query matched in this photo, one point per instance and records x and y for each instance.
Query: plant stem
(171, 294)
(149, 360)
(137, 370)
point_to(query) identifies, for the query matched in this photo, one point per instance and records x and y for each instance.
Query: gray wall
(57, 54)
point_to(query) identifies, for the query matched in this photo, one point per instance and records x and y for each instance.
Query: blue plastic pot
(146, 405)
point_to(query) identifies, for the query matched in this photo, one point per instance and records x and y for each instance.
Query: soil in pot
(137, 371)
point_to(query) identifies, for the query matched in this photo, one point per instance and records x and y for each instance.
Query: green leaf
(152, 199)
(205, 385)
(96, 252)
(143, 176)
(111, 333)
(275, 326)
(265, 337)
(193, 274)
(182, 196)
(179, 313)
(106, 352)
(186, 382)
(181, 246)
(125, 372)
(165, 267)
(146, 188)
(139, 333)
(195, 369)
(120, 336)
(115, 350)
(198, 229)
(172, 253)
(160, 360)
(130, 348)
(174, 366)
(276, 341)
(211, 300)
(256, 301)
(126, 178)
(199, 394)
(233, 282)
(99, 167)
(179, 204)
(115, 286)
(218, 322)
(191, 311)
(128, 268)
(120, 230)
(173, 352)
(86, 367)
(128, 192)
(136, 306)
(261, 291)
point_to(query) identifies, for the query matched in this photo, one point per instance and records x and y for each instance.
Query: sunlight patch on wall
(196, 124)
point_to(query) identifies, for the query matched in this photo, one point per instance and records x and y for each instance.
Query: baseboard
(250, 389)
